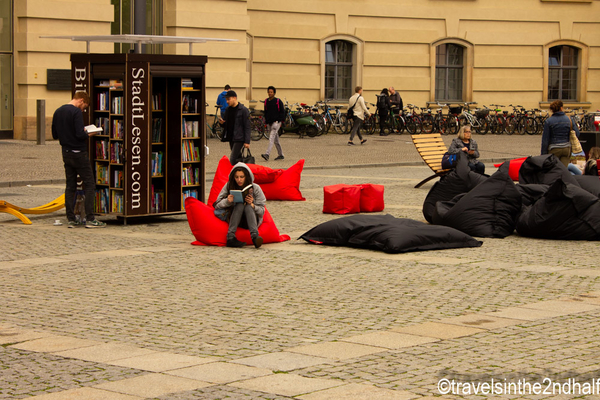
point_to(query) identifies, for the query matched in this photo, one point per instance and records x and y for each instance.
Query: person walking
(222, 101)
(274, 116)
(68, 128)
(555, 138)
(357, 104)
(236, 127)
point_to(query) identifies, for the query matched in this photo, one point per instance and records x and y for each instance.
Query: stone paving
(136, 312)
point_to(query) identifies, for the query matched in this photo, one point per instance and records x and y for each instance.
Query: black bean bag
(545, 170)
(530, 193)
(387, 233)
(488, 210)
(460, 180)
(565, 212)
(589, 183)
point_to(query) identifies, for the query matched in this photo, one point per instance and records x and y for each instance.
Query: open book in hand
(92, 129)
(240, 195)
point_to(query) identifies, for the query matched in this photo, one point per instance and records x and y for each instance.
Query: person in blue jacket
(221, 99)
(555, 139)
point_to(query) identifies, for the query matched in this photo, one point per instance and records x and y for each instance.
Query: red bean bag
(341, 199)
(211, 231)
(371, 198)
(276, 184)
(513, 168)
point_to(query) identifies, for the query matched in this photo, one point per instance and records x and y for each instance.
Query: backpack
(449, 161)
(381, 103)
(350, 113)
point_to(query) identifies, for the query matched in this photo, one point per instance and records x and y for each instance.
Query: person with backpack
(274, 116)
(222, 101)
(359, 110)
(383, 107)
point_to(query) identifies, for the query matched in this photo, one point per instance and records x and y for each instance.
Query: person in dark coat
(383, 107)
(236, 127)
(555, 138)
(464, 143)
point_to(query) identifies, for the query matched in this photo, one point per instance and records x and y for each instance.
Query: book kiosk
(151, 153)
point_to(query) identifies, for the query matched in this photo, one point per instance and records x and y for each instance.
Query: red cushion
(341, 199)
(513, 168)
(277, 184)
(211, 231)
(371, 198)
(286, 186)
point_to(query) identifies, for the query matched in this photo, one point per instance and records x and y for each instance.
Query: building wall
(281, 43)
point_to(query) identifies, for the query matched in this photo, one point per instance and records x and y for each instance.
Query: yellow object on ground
(19, 212)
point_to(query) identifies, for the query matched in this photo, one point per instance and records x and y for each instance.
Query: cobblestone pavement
(136, 312)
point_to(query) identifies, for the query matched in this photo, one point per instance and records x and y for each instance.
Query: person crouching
(251, 206)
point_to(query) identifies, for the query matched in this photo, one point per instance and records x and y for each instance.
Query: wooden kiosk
(151, 153)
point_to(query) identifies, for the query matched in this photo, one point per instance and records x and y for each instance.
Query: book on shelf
(240, 195)
(102, 101)
(102, 122)
(189, 151)
(116, 202)
(157, 163)
(116, 152)
(117, 107)
(157, 200)
(157, 130)
(101, 174)
(157, 102)
(102, 149)
(190, 175)
(117, 129)
(118, 178)
(187, 84)
(104, 82)
(116, 83)
(101, 202)
(188, 193)
(189, 128)
(189, 104)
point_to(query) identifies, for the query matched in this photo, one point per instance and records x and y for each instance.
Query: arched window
(339, 57)
(449, 72)
(562, 73)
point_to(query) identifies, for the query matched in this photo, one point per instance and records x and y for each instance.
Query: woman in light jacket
(357, 102)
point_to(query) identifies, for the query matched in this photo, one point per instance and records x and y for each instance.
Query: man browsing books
(68, 128)
(236, 127)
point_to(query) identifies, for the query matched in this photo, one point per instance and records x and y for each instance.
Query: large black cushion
(460, 180)
(488, 210)
(589, 183)
(565, 212)
(531, 192)
(545, 170)
(387, 233)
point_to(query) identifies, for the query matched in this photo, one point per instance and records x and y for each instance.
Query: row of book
(101, 201)
(189, 104)
(157, 102)
(102, 122)
(157, 130)
(101, 174)
(117, 105)
(118, 129)
(156, 163)
(116, 204)
(157, 201)
(112, 83)
(190, 176)
(189, 151)
(102, 149)
(187, 84)
(102, 99)
(188, 193)
(116, 152)
(118, 178)
(190, 128)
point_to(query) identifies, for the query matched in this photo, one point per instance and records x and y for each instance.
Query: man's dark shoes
(233, 242)
(350, 143)
(258, 241)
(266, 157)
(279, 158)
(363, 141)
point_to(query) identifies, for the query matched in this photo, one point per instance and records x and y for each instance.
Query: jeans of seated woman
(240, 209)
(574, 169)
(478, 167)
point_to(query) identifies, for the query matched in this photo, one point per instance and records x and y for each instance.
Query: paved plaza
(136, 312)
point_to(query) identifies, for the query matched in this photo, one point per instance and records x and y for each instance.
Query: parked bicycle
(215, 129)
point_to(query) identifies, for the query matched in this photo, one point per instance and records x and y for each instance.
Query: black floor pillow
(460, 180)
(545, 170)
(488, 210)
(565, 212)
(387, 233)
(589, 183)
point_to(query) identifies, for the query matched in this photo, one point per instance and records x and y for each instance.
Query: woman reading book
(242, 197)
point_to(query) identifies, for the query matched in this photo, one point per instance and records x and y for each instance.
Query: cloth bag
(575, 145)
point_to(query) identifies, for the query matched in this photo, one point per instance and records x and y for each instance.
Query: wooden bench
(431, 148)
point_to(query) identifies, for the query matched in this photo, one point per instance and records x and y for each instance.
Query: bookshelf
(150, 155)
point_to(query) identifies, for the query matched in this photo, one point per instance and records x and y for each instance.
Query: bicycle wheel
(482, 126)
(530, 126)
(346, 124)
(367, 125)
(308, 130)
(257, 128)
(499, 124)
(411, 125)
(217, 130)
(451, 125)
(511, 125)
(320, 123)
(338, 125)
(427, 124)
(399, 126)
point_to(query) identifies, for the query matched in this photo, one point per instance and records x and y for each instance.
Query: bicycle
(497, 121)
(413, 121)
(478, 121)
(452, 124)
(258, 126)
(216, 130)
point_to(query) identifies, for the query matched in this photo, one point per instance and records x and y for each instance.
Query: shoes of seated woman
(233, 242)
(258, 241)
